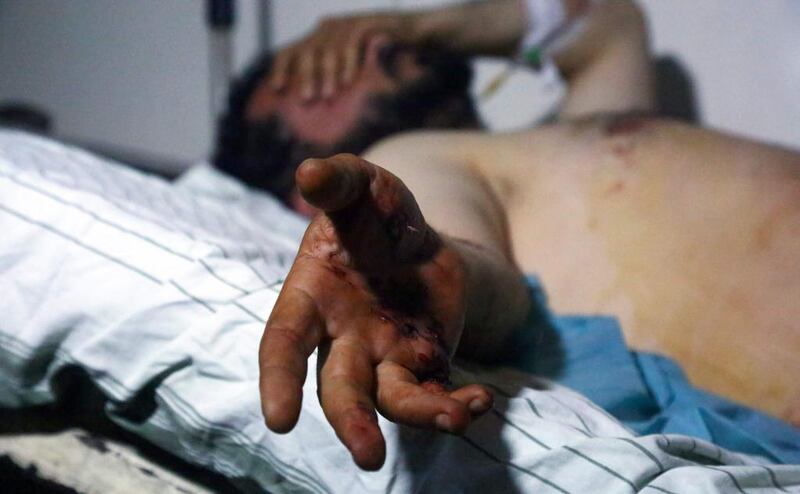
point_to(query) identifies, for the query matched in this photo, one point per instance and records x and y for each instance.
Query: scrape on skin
(628, 124)
(434, 367)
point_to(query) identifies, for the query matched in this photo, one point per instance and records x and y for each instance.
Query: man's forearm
(605, 58)
(493, 27)
(607, 65)
(497, 301)
(477, 28)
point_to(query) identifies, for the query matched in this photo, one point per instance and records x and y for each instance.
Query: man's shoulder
(511, 155)
(492, 154)
(438, 141)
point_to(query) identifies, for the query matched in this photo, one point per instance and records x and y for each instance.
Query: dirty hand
(382, 296)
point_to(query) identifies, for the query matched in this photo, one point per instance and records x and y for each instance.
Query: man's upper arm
(608, 66)
(439, 167)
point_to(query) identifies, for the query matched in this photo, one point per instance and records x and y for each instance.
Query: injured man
(405, 294)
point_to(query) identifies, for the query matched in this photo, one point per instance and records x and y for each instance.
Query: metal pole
(220, 18)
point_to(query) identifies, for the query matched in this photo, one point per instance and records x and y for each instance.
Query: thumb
(334, 183)
(376, 218)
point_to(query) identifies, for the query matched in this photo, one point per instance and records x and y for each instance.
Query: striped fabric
(159, 292)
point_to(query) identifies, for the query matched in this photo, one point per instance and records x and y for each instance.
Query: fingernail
(477, 405)
(443, 423)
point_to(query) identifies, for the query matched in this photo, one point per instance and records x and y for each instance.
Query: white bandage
(545, 19)
(549, 28)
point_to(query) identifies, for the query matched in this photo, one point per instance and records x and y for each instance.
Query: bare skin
(688, 236)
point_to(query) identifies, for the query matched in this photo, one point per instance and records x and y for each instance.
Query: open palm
(381, 295)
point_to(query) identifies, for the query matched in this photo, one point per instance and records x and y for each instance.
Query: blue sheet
(648, 393)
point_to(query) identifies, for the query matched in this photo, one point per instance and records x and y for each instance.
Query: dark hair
(265, 153)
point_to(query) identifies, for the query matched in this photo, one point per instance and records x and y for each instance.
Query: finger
(477, 398)
(345, 389)
(402, 399)
(389, 226)
(334, 183)
(374, 45)
(329, 75)
(280, 70)
(294, 329)
(352, 56)
(308, 72)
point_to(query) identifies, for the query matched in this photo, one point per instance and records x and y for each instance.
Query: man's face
(325, 121)
(268, 134)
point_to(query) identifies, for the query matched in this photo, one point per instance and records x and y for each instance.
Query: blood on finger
(431, 355)
(434, 387)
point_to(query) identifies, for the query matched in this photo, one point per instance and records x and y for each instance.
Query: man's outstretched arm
(385, 298)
